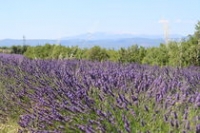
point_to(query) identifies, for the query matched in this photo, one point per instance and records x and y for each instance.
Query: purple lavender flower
(146, 108)
(198, 128)
(175, 115)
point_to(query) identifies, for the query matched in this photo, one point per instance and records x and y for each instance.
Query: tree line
(181, 53)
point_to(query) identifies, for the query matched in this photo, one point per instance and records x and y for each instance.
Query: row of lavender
(82, 96)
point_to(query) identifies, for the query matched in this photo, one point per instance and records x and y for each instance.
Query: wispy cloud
(163, 21)
(184, 21)
(178, 21)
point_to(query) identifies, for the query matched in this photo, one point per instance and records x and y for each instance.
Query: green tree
(133, 54)
(30, 52)
(123, 56)
(46, 51)
(174, 53)
(142, 53)
(151, 56)
(18, 49)
(60, 52)
(197, 35)
(197, 30)
(97, 53)
(113, 55)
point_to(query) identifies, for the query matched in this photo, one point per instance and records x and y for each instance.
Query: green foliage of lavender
(67, 96)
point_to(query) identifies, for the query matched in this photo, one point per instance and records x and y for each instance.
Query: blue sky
(51, 19)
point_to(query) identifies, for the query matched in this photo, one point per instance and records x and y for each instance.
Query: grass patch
(9, 127)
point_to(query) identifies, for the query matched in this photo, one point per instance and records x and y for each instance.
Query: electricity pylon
(165, 23)
(24, 40)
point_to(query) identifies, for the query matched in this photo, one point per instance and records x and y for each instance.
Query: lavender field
(75, 96)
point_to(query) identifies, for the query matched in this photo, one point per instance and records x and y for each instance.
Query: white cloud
(163, 21)
(177, 21)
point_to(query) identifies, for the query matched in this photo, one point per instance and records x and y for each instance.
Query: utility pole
(24, 40)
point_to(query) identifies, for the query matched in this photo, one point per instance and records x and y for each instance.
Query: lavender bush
(58, 96)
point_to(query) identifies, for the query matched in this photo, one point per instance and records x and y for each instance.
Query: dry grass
(9, 127)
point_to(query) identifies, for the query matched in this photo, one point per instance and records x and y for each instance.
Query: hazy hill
(102, 39)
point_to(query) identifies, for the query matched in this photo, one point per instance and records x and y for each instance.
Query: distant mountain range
(110, 36)
(90, 39)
